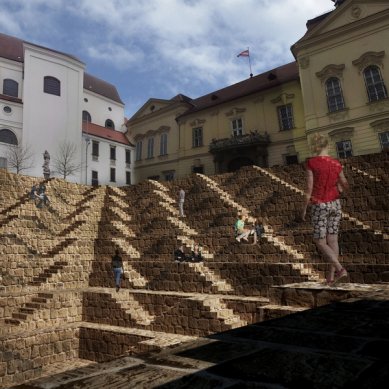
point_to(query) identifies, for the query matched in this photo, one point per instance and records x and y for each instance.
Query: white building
(47, 101)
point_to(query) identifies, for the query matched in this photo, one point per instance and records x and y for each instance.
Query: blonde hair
(318, 143)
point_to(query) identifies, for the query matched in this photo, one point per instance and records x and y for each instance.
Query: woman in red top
(325, 179)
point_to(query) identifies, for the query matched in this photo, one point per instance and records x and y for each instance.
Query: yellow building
(344, 72)
(336, 87)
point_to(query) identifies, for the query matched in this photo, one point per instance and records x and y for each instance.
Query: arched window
(10, 87)
(109, 124)
(86, 117)
(7, 136)
(334, 95)
(52, 86)
(375, 86)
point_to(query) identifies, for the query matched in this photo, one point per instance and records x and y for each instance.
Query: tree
(19, 157)
(65, 160)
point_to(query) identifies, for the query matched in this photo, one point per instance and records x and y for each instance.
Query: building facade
(337, 87)
(45, 101)
(344, 71)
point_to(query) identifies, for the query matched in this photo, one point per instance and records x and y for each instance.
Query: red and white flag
(244, 53)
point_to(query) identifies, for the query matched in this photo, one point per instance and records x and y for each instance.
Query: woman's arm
(308, 193)
(342, 181)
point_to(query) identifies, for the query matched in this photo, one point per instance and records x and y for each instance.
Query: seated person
(33, 193)
(240, 231)
(43, 199)
(179, 254)
(258, 230)
(196, 255)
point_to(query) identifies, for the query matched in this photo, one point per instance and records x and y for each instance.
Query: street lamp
(87, 142)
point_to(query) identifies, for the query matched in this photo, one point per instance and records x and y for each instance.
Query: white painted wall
(44, 120)
(103, 164)
(49, 120)
(99, 108)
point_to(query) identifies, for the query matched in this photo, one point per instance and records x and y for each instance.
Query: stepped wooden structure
(58, 303)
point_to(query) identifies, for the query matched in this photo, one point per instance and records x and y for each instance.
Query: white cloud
(176, 45)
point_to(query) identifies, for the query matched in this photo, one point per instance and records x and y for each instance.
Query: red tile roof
(261, 82)
(11, 98)
(105, 133)
(101, 87)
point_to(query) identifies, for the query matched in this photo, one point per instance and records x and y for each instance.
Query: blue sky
(159, 48)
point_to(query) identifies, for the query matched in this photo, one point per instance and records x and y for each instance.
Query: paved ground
(340, 345)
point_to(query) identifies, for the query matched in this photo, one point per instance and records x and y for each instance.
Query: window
(344, 149)
(285, 117)
(95, 178)
(52, 86)
(163, 144)
(169, 175)
(112, 153)
(7, 136)
(112, 176)
(197, 137)
(138, 151)
(109, 124)
(198, 169)
(291, 159)
(150, 148)
(237, 127)
(7, 109)
(128, 178)
(10, 87)
(334, 95)
(375, 86)
(128, 157)
(3, 163)
(384, 139)
(95, 150)
(86, 117)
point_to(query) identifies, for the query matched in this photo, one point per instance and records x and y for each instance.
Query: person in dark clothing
(179, 254)
(117, 267)
(196, 255)
(41, 195)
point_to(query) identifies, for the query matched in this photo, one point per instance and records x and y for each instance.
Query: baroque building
(337, 86)
(48, 101)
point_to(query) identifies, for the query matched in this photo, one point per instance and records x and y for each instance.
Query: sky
(160, 48)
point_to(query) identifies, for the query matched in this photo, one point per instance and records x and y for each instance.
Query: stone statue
(46, 162)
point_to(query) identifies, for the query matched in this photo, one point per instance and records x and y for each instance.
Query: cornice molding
(283, 98)
(381, 125)
(341, 134)
(329, 71)
(150, 133)
(369, 58)
(197, 122)
(340, 33)
(235, 111)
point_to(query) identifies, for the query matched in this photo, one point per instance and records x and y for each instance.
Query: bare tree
(19, 157)
(65, 161)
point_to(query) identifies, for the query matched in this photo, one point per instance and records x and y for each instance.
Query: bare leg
(329, 252)
(332, 241)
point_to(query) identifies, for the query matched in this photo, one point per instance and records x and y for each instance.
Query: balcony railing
(251, 139)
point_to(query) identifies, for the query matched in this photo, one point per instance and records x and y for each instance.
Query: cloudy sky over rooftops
(159, 48)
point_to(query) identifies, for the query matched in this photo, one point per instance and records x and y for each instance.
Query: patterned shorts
(326, 218)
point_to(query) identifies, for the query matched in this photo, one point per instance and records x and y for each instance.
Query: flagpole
(251, 73)
(246, 53)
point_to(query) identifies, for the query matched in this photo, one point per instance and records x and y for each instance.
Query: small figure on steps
(181, 200)
(117, 267)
